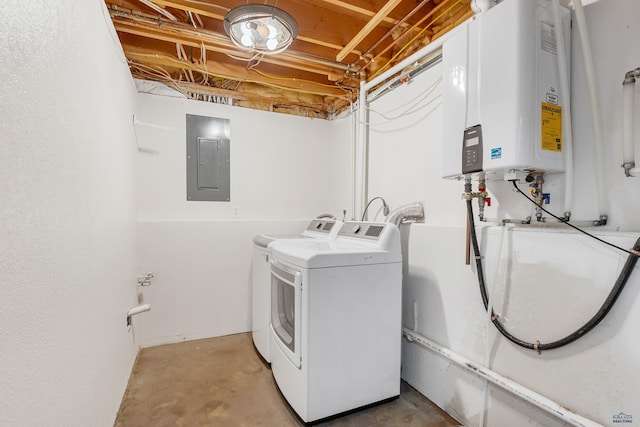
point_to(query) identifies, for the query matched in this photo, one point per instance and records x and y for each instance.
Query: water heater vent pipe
(595, 109)
(479, 6)
(566, 116)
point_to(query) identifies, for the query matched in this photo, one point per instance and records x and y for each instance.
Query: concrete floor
(224, 382)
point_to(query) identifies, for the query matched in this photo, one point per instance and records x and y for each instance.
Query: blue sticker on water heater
(496, 153)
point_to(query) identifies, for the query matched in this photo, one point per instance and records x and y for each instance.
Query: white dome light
(260, 28)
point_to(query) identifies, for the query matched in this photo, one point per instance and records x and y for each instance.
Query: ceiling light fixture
(260, 28)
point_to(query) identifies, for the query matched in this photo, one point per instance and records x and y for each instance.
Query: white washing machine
(318, 228)
(336, 319)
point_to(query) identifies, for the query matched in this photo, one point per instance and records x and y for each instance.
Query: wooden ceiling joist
(230, 72)
(177, 32)
(247, 95)
(183, 43)
(361, 11)
(319, 107)
(364, 32)
(213, 11)
(201, 8)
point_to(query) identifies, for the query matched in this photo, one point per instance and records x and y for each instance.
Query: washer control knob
(356, 229)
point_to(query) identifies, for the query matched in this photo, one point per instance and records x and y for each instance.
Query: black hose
(623, 277)
(564, 221)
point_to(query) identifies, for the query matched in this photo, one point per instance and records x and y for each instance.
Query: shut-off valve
(481, 194)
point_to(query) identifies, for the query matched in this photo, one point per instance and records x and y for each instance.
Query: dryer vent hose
(412, 212)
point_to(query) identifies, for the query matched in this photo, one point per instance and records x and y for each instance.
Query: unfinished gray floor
(223, 382)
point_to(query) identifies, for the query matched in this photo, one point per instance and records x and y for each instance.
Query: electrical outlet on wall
(236, 212)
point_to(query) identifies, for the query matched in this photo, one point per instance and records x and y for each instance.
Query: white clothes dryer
(336, 319)
(318, 228)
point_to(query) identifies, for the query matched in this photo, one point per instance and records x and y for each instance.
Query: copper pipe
(467, 253)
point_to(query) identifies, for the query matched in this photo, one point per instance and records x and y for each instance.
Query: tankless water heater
(502, 108)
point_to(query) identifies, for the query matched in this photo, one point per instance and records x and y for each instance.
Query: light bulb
(272, 44)
(245, 28)
(272, 31)
(246, 40)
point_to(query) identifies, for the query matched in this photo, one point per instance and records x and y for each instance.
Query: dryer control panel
(321, 225)
(363, 230)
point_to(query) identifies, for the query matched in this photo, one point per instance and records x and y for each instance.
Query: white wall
(546, 283)
(67, 215)
(284, 171)
(68, 258)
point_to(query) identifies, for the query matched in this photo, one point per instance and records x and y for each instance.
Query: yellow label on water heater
(551, 127)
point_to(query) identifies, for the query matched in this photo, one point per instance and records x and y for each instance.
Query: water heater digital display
(472, 150)
(502, 109)
(471, 142)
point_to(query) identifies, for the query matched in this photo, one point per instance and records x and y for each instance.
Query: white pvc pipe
(636, 170)
(628, 151)
(565, 95)
(354, 144)
(524, 393)
(481, 6)
(489, 325)
(139, 309)
(599, 156)
(361, 154)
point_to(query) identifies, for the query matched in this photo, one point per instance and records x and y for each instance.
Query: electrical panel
(208, 161)
(502, 108)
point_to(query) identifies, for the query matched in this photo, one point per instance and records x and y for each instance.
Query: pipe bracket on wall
(145, 280)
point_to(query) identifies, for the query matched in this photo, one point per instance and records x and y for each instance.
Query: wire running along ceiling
(183, 44)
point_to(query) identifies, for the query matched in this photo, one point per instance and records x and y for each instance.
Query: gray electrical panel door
(208, 162)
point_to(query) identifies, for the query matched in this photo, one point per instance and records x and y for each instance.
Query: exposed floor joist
(339, 43)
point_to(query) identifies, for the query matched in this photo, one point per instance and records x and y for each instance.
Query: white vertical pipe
(361, 153)
(519, 390)
(489, 325)
(628, 151)
(599, 157)
(415, 315)
(566, 103)
(354, 143)
(628, 123)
